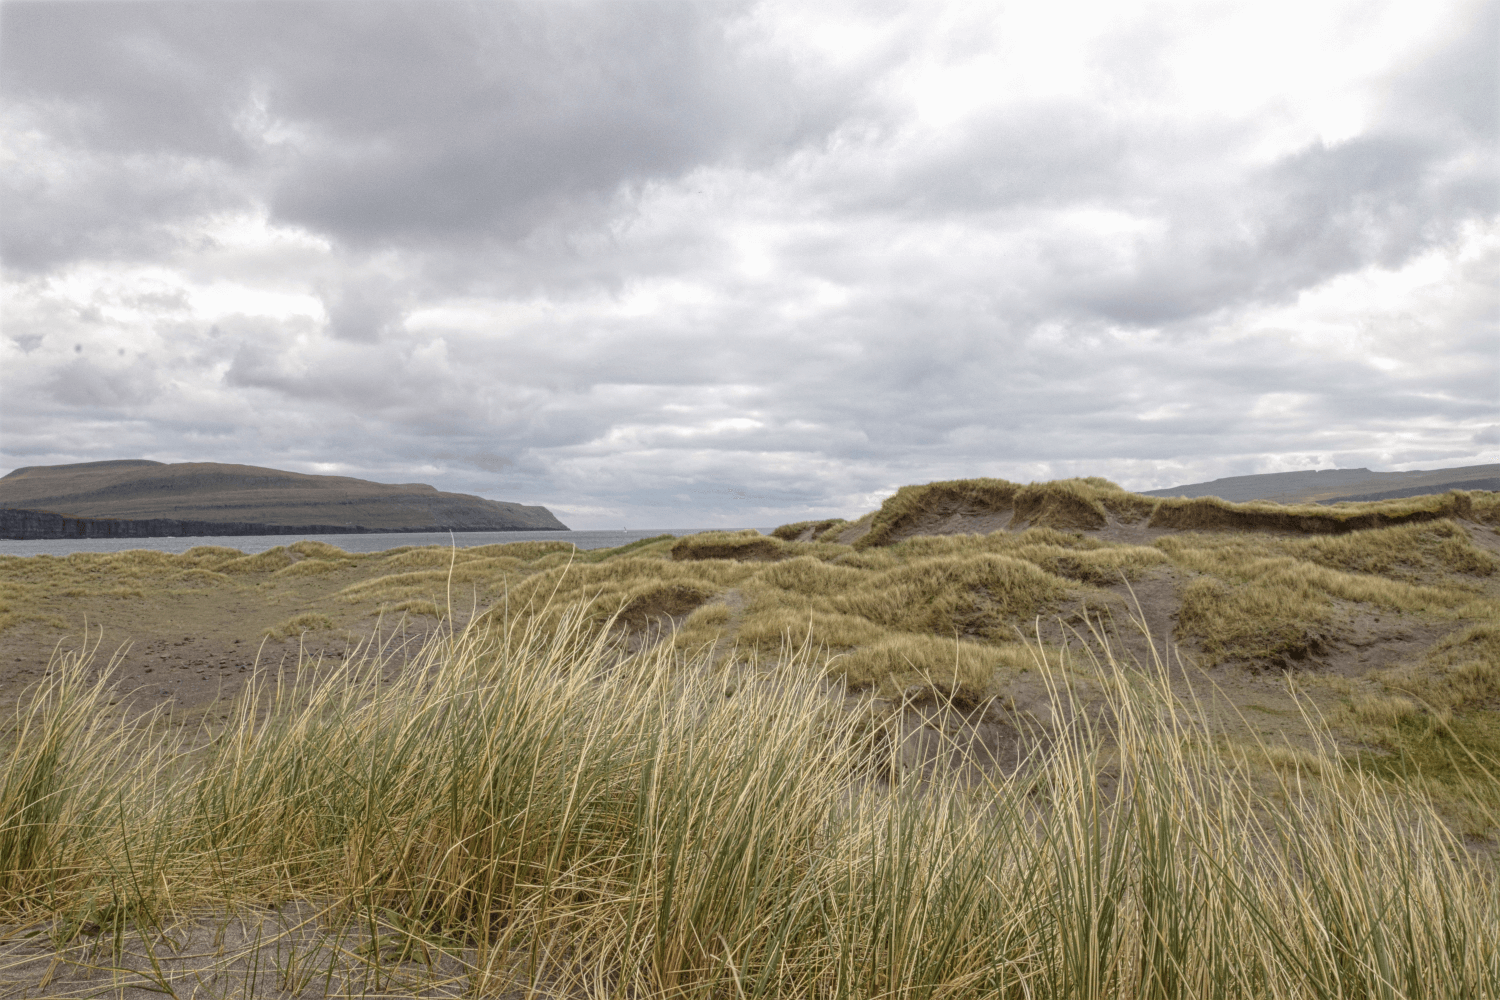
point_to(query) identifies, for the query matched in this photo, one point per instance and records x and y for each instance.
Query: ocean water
(251, 544)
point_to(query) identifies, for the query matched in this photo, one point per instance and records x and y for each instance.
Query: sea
(251, 544)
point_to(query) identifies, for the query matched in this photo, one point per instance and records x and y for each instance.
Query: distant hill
(1335, 485)
(138, 489)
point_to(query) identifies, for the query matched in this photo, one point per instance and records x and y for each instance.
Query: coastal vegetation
(1115, 746)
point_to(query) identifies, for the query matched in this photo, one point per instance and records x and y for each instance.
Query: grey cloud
(1457, 88)
(130, 78)
(483, 461)
(389, 122)
(62, 206)
(91, 385)
(1037, 155)
(488, 120)
(363, 310)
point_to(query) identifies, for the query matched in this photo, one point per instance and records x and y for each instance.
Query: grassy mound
(1090, 504)
(1211, 513)
(808, 531)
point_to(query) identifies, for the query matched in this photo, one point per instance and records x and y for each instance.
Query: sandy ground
(290, 951)
(193, 648)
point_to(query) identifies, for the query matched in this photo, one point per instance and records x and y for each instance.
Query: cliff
(16, 523)
(215, 498)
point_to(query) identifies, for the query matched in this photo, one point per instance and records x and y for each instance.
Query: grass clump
(427, 609)
(808, 531)
(309, 549)
(269, 561)
(1072, 555)
(921, 667)
(1462, 670)
(980, 596)
(740, 545)
(312, 567)
(309, 621)
(1416, 552)
(634, 591)
(1065, 503)
(551, 813)
(1260, 600)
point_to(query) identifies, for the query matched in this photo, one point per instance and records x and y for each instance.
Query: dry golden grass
(1247, 596)
(924, 666)
(947, 612)
(427, 608)
(648, 771)
(530, 813)
(1212, 513)
(909, 503)
(1091, 503)
(1273, 599)
(263, 562)
(1461, 671)
(816, 529)
(298, 624)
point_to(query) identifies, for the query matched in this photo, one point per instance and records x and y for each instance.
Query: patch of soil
(1135, 532)
(293, 950)
(1370, 641)
(734, 600)
(1482, 535)
(193, 649)
(197, 675)
(985, 738)
(853, 533)
(954, 519)
(1138, 619)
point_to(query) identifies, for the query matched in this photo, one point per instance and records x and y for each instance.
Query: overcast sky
(712, 264)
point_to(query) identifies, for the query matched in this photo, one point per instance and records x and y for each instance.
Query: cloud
(479, 460)
(381, 124)
(85, 384)
(698, 263)
(363, 310)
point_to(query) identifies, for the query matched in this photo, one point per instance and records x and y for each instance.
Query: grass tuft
(808, 531)
(309, 621)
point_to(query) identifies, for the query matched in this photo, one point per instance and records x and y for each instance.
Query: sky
(675, 264)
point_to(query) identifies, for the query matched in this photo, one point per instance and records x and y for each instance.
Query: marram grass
(558, 817)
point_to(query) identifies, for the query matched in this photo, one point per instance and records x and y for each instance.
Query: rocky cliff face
(40, 524)
(260, 501)
(46, 524)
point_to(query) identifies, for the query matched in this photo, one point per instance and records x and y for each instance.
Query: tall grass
(556, 814)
